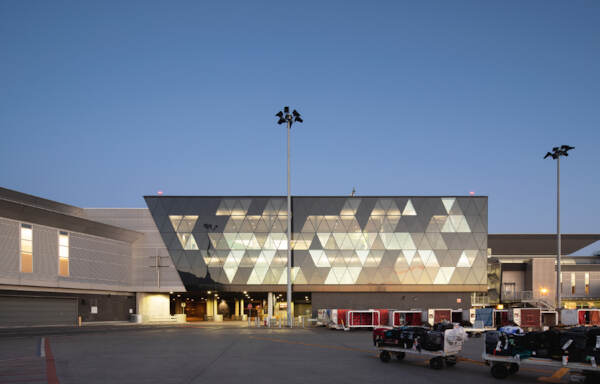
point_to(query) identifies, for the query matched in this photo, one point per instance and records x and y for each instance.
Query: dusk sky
(104, 102)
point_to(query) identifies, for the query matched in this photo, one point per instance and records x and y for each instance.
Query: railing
(530, 297)
(478, 300)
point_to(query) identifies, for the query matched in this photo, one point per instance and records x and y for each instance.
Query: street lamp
(285, 117)
(556, 153)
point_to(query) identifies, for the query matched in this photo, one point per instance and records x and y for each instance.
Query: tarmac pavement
(228, 353)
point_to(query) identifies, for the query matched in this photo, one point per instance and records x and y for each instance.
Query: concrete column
(237, 307)
(242, 308)
(270, 304)
(209, 307)
(216, 307)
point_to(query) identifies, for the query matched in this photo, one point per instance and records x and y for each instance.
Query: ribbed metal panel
(595, 284)
(99, 260)
(25, 311)
(9, 247)
(145, 250)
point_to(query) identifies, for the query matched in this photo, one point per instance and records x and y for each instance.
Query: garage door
(16, 311)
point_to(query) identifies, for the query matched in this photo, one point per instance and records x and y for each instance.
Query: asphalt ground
(229, 354)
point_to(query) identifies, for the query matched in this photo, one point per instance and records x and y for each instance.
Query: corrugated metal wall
(9, 248)
(94, 262)
(27, 311)
(144, 251)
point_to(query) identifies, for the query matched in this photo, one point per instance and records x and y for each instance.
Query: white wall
(153, 306)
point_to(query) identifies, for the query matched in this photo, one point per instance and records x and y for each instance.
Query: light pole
(285, 117)
(556, 153)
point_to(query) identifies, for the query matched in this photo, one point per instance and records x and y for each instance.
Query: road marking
(556, 376)
(50, 365)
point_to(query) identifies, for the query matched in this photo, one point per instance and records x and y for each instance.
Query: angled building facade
(379, 245)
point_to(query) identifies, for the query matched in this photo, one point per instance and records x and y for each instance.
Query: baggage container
(588, 316)
(385, 317)
(485, 316)
(435, 316)
(502, 317)
(457, 316)
(367, 318)
(323, 317)
(400, 318)
(549, 318)
(569, 317)
(528, 317)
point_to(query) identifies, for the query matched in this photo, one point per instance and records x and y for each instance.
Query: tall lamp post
(285, 117)
(556, 153)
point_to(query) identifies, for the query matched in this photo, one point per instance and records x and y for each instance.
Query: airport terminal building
(221, 257)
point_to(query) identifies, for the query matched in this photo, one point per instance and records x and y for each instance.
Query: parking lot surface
(231, 354)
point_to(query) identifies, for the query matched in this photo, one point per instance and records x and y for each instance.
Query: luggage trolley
(503, 366)
(447, 356)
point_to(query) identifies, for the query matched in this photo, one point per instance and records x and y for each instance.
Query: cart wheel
(400, 355)
(513, 368)
(436, 363)
(384, 356)
(499, 371)
(469, 335)
(450, 362)
(478, 334)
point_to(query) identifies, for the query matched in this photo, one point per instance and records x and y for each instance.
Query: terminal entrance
(237, 306)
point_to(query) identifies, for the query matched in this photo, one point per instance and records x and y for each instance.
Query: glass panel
(26, 246)
(26, 262)
(26, 232)
(63, 267)
(63, 240)
(63, 252)
(175, 221)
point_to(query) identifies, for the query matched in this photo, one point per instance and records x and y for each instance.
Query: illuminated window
(587, 283)
(572, 283)
(26, 248)
(63, 253)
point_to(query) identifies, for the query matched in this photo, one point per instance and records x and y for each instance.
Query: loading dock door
(23, 311)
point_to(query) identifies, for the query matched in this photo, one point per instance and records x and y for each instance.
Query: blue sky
(103, 102)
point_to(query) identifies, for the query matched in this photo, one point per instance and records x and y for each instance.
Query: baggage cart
(503, 366)
(453, 343)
